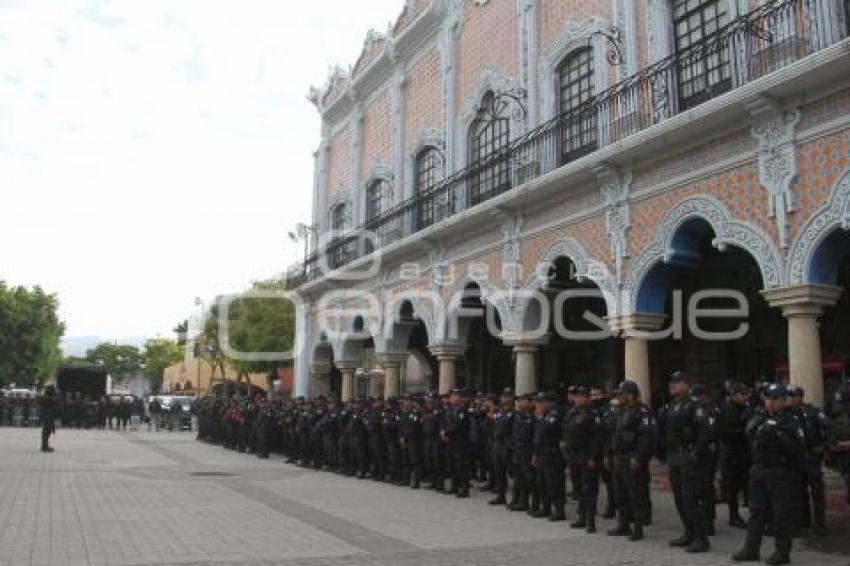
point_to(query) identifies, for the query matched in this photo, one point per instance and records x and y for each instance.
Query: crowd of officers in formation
(75, 410)
(769, 445)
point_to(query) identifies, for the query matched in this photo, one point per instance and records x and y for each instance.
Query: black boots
(747, 554)
(591, 524)
(683, 541)
(698, 545)
(621, 530)
(637, 532)
(558, 513)
(498, 500)
(579, 523)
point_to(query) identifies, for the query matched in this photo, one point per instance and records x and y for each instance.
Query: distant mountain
(77, 345)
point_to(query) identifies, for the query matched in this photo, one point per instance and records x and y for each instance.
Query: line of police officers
(768, 449)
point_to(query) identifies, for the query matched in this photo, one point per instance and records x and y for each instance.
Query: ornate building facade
(498, 179)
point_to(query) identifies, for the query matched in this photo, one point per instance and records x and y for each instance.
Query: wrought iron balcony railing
(771, 37)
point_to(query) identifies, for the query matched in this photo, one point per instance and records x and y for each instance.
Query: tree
(159, 354)
(121, 361)
(255, 325)
(30, 331)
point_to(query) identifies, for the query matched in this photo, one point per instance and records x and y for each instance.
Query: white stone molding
(615, 190)
(834, 215)
(356, 158)
(587, 268)
(490, 80)
(727, 231)
(774, 129)
(510, 225)
(397, 101)
(529, 55)
(574, 36)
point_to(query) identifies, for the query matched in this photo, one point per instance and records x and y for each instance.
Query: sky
(154, 151)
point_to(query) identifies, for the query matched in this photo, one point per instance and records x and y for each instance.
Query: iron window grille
(702, 74)
(489, 140)
(428, 172)
(575, 96)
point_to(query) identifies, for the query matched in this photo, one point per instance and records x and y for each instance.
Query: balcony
(768, 39)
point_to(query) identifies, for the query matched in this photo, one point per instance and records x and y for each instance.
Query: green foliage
(120, 360)
(159, 354)
(29, 335)
(257, 325)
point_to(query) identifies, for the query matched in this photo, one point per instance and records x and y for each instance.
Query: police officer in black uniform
(778, 449)
(839, 436)
(631, 448)
(432, 419)
(583, 442)
(502, 425)
(455, 434)
(48, 409)
(522, 451)
(734, 450)
(375, 438)
(412, 442)
(548, 460)
(815, 428)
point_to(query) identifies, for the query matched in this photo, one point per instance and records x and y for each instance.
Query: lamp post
(303, 232)
(199, 302)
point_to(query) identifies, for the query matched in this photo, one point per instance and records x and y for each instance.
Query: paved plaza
(159, 498)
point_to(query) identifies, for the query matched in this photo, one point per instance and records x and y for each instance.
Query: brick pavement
(156, 498)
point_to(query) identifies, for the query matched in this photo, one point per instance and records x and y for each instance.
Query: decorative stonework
(510, 225)
(586, 268)
(490, 80)
(728, 231)
(574, 36)
(615, 190)
(774, 130)
(832, 216)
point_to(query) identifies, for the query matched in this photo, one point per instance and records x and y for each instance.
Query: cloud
(164, 151)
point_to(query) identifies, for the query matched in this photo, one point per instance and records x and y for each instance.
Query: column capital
(626, 324)
(447, 351)
(346, 365)
(520, 341)
(391, 359)
(803, 300)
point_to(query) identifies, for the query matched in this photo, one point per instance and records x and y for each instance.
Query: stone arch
(421, 311)
(809, 260)
(586, 268)
(490, 294)
(667, 246)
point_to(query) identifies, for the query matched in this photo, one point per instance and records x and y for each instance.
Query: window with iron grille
(703, 73)
(578, 114)
(376, 196)
(339, 252)
(428, 167)
(489, 137)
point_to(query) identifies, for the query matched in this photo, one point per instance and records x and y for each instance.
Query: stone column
(347, 370)
(447, 355)
(319, 383)
(391, 363)
(525, 351)
(802, 305)
(631, 328)
(376, 383)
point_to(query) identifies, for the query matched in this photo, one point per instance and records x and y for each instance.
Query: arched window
(377, 199)
(489, 136)
(428, 168)
(339, 251)
(578, 113)
(702, 73)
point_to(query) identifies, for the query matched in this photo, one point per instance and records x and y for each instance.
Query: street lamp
(303, 232)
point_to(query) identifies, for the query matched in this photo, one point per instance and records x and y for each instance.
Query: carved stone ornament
(834, 215)
(774, 130)
(728, 231)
